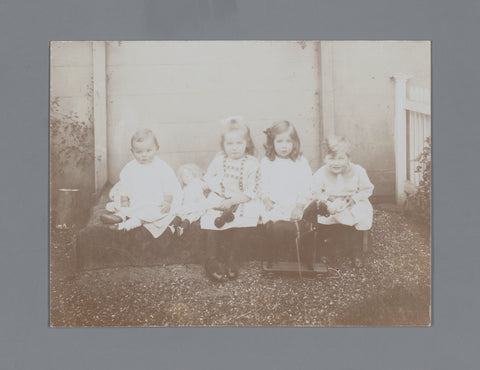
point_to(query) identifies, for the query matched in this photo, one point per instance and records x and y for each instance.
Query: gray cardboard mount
(26, 341)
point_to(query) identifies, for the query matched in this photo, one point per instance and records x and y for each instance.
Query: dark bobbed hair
(277, 128)
(235, 124)
(143, 135)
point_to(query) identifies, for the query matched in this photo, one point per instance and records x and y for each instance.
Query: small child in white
(194, 202)
(284, 187)
(344, 188)
(148, 192)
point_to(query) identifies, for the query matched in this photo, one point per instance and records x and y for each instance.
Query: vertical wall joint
(99, 114)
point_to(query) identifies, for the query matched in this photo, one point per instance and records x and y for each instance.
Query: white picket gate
(412, 128)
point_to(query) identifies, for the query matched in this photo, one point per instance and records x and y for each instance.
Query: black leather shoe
(110, 219)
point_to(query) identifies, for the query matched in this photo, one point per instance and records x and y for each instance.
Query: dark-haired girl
(285, 182)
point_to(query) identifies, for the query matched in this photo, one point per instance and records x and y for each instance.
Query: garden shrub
(71, 157)
(418, 204)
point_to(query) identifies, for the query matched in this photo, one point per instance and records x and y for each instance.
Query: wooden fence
(412, 128)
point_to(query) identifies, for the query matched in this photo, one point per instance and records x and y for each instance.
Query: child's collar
(245, 156)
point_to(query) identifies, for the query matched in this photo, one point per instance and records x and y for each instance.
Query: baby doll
(117, 199)
(194, 201)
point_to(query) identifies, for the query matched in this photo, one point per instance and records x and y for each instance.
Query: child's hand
(338, 205)
(320, 197)
(226, 204)
(349, 201)
(238, 197)
(167, 204)
(268, 203)
(205, 186)
(334, 206)
(165, 207)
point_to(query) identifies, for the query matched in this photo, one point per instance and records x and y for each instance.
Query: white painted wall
(364, 99)
(71, 76)
(71, 73)
(181, 90)
(100, 114)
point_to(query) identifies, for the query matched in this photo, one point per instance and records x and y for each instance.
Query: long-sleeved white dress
(360, 213)
(147, 186)
(287, 183)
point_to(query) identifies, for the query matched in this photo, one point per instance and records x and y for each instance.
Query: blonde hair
(143, 135)
(236, 123)
(334, 145)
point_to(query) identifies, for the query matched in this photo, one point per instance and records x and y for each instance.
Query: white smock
(358, 214)
(287, 183)
(147, 187)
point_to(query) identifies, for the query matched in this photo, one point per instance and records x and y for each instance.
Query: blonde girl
(232, 177)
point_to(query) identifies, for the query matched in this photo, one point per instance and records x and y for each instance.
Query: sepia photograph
(240, 183)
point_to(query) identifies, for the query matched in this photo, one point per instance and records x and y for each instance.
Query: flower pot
(66, 208)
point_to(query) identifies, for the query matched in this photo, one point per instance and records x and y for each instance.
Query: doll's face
(144, 151)
(283, 145)
(234, 144)
(187, 177)
(337, 163)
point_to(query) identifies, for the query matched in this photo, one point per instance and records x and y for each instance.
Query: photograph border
(135, 84)
(451, 342)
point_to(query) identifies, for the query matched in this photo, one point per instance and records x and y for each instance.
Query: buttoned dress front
(228, 177)
(360, 213)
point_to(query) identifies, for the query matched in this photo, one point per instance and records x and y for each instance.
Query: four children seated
(238, 192)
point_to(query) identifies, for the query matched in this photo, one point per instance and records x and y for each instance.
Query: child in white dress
(343, 188)
(148, 190)
(285, 182)
(232, 177)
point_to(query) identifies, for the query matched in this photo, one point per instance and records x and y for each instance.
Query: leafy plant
(419, 203)
(70, 144)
